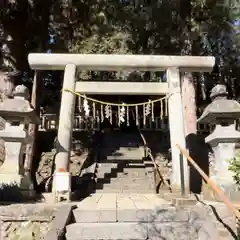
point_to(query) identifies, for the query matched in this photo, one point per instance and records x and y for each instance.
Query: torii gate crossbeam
(110, 62)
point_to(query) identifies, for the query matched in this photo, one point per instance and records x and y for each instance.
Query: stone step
(146, 216)
(130, 180)
(107, 165)
(122, 161)
(129, 166)
(126, 154)
(110, 231)
(124, 178)
(100, 183)
(119, 173)
(142, 231)
(149, 169)
(128, 163)
(126, 208)
(116, 174)
(124, 186)
(134, 169)
(121, 191)
(135, 165)
(107, 169)
(130, 210)
(136, 173)
(106, 207)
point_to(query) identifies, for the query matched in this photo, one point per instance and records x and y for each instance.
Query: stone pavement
(145, 216)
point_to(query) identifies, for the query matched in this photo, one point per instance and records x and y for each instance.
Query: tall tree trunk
(189, 104)
(188, 88)
(14, 43)
(193, 142)
(19, 28)
(32, 151)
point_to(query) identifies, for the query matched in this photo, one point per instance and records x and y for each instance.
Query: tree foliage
(186, 27)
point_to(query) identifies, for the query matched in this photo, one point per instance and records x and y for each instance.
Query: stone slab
(126, 210)
(101, 208)
(156, 200)
(107, 208)
(145, 208)
(86, 209)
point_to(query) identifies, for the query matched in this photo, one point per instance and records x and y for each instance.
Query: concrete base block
(62, 186)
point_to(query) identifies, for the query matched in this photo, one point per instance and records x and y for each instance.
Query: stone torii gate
(72, 63)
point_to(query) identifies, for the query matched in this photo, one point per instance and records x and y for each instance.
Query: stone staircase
(125, 207)
(123, 170)
(125, 216)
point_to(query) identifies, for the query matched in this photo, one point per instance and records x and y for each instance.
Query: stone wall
(26, 221)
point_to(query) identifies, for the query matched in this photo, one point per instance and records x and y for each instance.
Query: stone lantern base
(231, 191)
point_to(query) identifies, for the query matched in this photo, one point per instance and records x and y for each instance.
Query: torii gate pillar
(62, 176)
(176, 128)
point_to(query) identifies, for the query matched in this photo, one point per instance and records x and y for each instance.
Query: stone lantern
(222, 112)
(18, 113)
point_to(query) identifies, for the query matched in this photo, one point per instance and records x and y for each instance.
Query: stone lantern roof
(18, 108)
(221, 109)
